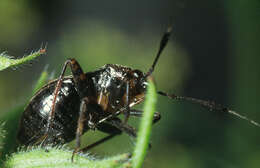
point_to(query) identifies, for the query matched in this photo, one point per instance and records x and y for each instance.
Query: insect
(67, 107)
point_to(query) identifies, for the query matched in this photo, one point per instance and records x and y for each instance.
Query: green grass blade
(41, 81)
(145, 127)
(7, 61)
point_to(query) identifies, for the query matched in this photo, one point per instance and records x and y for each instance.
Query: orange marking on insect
(73, 61)
(102, 100)
(139, 96)
(82, 76)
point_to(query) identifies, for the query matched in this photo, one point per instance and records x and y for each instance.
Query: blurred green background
(213, 54)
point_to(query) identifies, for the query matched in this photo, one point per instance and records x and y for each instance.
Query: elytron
(67, 107)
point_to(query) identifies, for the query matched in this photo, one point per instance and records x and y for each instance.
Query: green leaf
(7, 61)
(145, 128)
(61, 158)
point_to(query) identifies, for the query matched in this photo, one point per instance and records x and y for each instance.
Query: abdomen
(34, 119)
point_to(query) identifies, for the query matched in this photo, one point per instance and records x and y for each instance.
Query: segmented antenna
(209, 105)
(163, 43)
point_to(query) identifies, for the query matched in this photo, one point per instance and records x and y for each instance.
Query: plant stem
(145, 127)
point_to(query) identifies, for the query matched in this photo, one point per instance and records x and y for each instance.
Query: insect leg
(127, 110)
(87, 148)
(129, 130)
(78, 76)
(82, 118)
(106, 128)
(209, 105)
(120, 111)
(139, 113)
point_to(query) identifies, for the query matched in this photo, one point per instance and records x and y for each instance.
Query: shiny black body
(67, 107)
(107, 90)
(35, 117)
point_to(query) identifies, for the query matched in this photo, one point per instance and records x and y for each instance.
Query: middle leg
(139, 113)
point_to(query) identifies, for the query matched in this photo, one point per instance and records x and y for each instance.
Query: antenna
(163, 43)
(209, 105)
